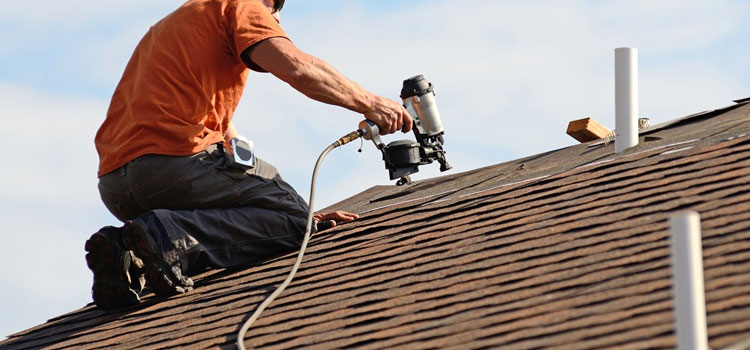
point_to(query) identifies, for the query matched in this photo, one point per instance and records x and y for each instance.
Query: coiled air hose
(340, 142)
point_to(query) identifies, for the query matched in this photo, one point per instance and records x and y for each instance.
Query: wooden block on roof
(587, 129)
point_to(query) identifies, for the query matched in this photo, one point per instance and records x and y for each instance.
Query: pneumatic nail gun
(403, 157)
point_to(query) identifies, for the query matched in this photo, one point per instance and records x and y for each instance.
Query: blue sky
(509, 75)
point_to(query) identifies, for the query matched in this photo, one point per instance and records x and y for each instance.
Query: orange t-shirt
(180, 89)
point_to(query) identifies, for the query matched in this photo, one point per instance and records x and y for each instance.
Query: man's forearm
(310, 75)
(320, 81)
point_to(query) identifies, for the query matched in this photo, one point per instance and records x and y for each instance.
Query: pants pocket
(173, 185)
(161, 181)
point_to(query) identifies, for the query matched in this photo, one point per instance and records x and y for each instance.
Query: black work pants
(213, 213)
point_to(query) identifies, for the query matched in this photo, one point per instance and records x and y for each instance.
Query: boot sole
(109, 291)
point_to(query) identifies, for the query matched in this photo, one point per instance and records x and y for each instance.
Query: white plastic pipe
(626, 98)
(687, 285)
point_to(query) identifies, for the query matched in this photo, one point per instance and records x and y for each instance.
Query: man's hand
(331, 219)
(389, 115)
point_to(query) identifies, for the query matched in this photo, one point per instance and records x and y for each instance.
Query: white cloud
(51, 137)
(49, 203)
(667, 26)
(77, 12)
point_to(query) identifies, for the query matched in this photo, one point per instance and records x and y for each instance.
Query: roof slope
(566, 249)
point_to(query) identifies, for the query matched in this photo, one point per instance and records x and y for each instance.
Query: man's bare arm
(231, 132)
(320, 81)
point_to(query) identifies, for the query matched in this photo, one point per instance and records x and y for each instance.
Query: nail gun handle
(370, 131)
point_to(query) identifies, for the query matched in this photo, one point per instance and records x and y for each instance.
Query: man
(164, 169)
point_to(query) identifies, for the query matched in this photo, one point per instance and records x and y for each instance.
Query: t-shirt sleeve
(250, 23)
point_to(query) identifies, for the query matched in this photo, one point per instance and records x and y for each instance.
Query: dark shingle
(566, 249)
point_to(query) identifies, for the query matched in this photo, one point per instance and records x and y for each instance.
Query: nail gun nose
(444, 166)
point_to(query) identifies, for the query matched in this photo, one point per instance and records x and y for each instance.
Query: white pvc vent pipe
(687, 283)
(626, 98)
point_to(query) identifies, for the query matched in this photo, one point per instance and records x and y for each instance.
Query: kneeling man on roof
(165, 165)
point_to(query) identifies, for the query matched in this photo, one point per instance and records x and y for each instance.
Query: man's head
(277, 5)
(274, 6)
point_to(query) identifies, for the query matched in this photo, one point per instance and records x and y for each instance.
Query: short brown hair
(277, 5)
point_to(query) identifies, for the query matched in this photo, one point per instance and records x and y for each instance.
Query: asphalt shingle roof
(566, 249)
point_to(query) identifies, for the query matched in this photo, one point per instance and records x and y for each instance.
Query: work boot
(162, 266)
(111, 265)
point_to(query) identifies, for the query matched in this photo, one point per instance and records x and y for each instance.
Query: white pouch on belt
(242, 152)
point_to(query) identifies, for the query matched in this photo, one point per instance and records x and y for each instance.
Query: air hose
(340, 142)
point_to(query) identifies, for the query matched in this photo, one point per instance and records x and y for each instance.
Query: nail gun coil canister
(419, 100)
